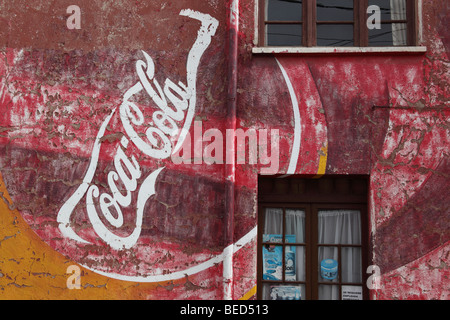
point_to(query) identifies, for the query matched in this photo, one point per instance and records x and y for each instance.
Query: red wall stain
(381, 115)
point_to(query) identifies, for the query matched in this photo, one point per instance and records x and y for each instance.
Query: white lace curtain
(398, 12)
(340, 227)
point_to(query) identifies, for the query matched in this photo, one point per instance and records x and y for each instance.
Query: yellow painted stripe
(322, 161)
(249, 294)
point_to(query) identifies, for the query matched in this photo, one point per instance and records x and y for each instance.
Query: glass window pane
(284, 34)
(327, 292)
(295, 263)
(273, 222)
(391, 9)
(282, 292)
(351, 265)
(388, 35)
(282, 10)
(328, 264)
(339, 226)
(335, 35)
(399, 34)
(295, 226)
(334, 10)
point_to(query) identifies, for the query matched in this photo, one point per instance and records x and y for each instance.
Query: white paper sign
(352, 293)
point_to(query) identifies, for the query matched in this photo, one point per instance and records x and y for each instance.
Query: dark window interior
(337, 23)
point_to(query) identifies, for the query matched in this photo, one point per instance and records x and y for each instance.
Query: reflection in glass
(284, 34)
(334, 10)
(335, 35)
(389, 35)
(391, 9)
(279, 10)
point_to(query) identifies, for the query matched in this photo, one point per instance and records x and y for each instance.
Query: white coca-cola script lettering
(157, 144)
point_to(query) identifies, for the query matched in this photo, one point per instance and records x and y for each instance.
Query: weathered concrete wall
(64, 137)
(382, 115)
(59, 87)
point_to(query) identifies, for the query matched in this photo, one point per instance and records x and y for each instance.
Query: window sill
(338, 50)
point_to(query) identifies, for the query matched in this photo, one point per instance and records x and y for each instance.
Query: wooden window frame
(360, 31)
(284, 244)
(311, 204)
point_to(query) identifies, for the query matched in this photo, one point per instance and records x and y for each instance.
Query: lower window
(312, 250)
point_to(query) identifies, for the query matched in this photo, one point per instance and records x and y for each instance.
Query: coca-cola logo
(158, 139)
(110, 192)
(176, 103)
(122, 176)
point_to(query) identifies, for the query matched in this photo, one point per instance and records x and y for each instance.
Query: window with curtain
(339, 240)
(289, 250)
(312, 243)
(299, 262)
(393, 26)
(336, 23)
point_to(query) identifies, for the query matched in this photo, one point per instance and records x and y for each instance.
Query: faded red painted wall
(59, 86)
(403, 148)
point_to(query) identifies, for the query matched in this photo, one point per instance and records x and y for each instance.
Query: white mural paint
(297, 125)
(229, 250)
(131, 116)
(183, 99)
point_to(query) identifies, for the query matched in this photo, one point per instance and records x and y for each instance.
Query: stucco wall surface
(112, 136)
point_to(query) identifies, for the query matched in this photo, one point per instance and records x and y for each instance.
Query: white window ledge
(288, 50)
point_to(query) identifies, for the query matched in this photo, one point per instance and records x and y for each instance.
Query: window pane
(273, 222)
(351, 265)
(282, 10)
(272, 262)
(295, 226)
(281, 292)
(295, 263)
(391, 9)
(334, 10)
(339, 226)
(328, 264)
(389, 35)
(327, 292)
(335, 35)
(284, 34)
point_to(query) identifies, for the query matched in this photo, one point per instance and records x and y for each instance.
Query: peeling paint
(380, 114)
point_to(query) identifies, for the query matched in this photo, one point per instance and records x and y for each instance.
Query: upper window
(337, 23)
